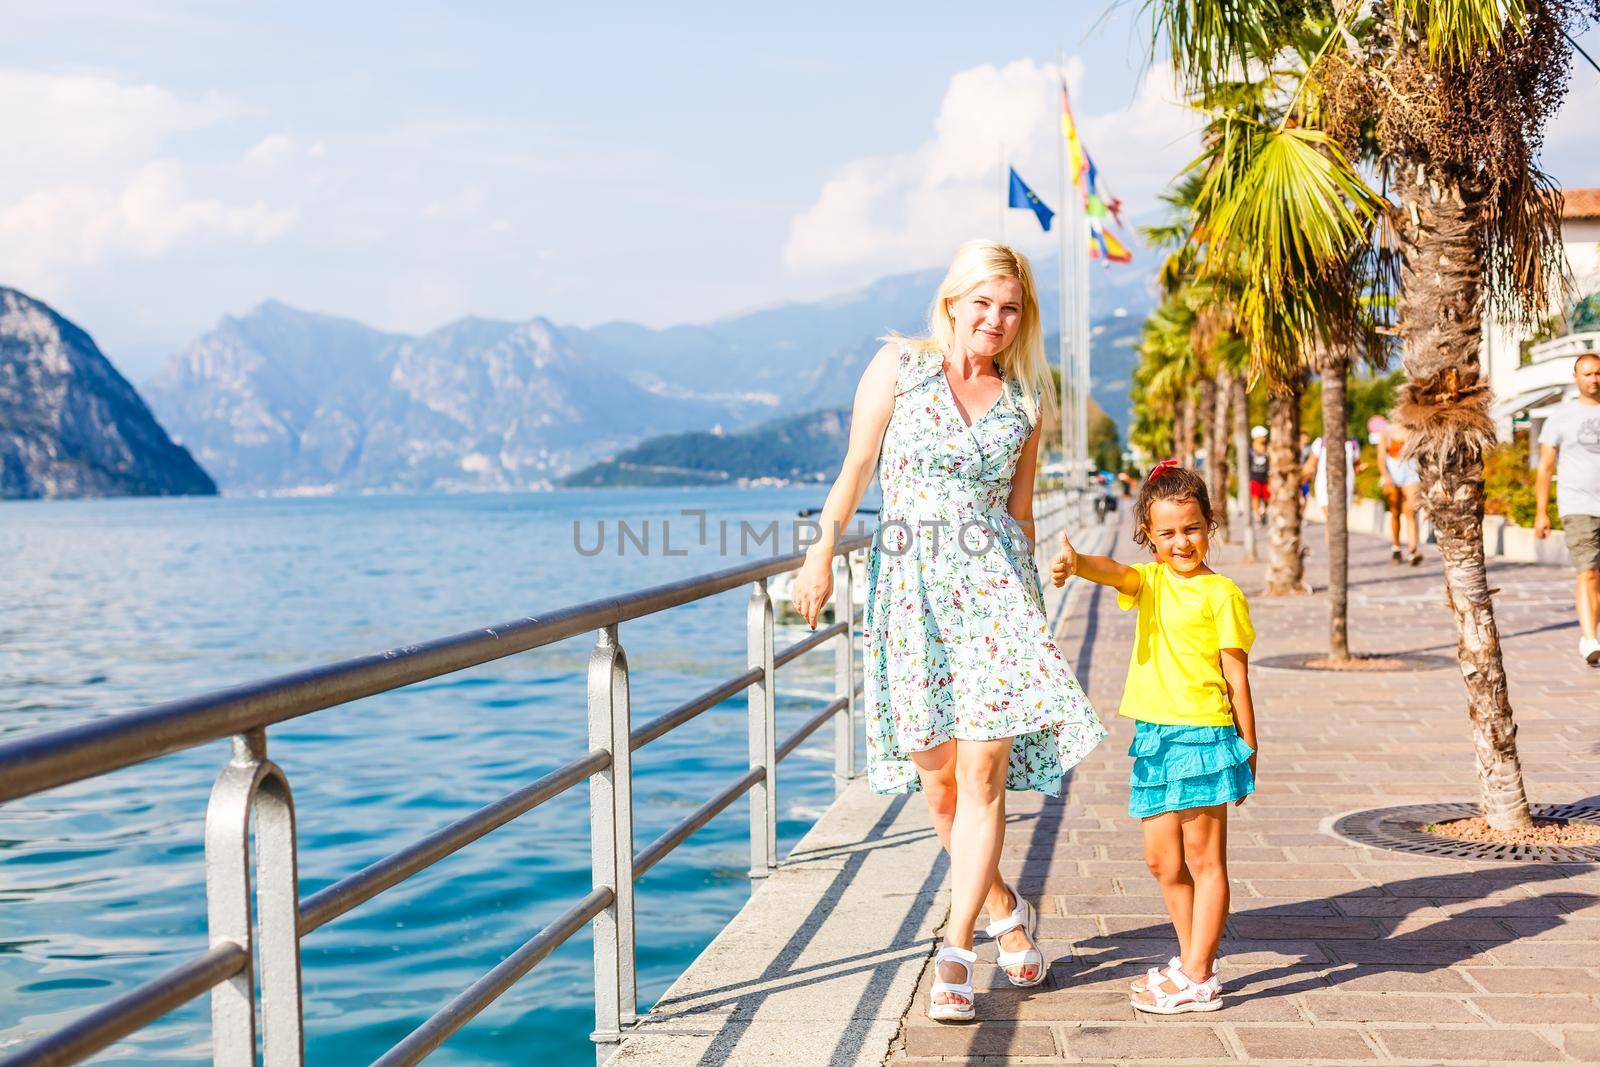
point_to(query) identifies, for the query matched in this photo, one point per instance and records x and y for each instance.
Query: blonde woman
(966, 694)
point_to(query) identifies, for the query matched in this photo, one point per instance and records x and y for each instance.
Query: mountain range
(283, 399)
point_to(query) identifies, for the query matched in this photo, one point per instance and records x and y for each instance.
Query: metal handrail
(252, 784)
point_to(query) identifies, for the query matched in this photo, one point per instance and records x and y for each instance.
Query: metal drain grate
(1402, 661)
(1400, 829)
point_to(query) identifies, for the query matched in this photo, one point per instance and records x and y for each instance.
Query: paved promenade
(1336, 953)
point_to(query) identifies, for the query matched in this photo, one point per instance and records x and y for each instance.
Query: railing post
(763, 725)
(844, 675)
(249, 782)
(611, 844)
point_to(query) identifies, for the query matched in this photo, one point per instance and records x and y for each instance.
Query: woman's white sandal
(1026, 918)
(954, 1012)
(1191, 995)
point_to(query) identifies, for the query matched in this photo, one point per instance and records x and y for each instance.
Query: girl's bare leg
(1163, 854)
(1205, 853)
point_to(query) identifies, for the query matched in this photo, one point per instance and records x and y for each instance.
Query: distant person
(966, 694)
(1105, 501)
(1402, 488)
(1569, 448)
(1305, 458)
(1260, 467)
(1317, 470)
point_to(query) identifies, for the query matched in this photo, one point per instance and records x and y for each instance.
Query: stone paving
(1335, 953)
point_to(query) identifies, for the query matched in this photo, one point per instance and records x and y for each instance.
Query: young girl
(1194, 744)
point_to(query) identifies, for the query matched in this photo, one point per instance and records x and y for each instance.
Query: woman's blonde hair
(1023, 359)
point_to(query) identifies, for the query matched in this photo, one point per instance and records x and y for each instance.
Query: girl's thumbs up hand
(1065, 563)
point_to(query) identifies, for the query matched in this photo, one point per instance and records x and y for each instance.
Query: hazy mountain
(70, 425)
(284, 399)
(811, 355)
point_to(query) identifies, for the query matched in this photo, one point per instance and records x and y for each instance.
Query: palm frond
(1459, 31)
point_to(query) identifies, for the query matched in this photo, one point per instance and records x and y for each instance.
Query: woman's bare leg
(936, 767)
(973, 830)
(1413, 497)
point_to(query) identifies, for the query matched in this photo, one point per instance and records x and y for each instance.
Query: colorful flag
(1077, 158)
(1022, 196)
(1105, 246)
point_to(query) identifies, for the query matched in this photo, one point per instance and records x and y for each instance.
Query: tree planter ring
(1401, 830)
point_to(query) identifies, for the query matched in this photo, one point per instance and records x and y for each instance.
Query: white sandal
(954, 1012)
(1191, 995)
(1138, 985)
(1025, 917)
(1154, 974)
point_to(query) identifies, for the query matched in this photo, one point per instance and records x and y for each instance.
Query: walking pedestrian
(1194, 744)
(966, 694)
(1260, 467)
(1402, 488)
(1569, 448)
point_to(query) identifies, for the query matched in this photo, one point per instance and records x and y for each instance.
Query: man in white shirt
(1569, 448)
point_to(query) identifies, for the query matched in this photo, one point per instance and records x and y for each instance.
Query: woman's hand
(1253, 777)
(813, 585)
(1065, 563)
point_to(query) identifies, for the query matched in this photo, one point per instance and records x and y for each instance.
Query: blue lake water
(112, 605)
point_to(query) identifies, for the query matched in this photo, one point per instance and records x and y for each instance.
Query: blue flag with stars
(1022, 196)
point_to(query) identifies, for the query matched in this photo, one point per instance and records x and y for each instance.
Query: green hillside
(803, 448)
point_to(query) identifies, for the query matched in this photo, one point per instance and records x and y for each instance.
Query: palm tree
(1451, 97)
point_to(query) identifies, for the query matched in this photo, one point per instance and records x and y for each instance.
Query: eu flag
(1022, 196)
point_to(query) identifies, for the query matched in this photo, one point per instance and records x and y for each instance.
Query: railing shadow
(1327, 961)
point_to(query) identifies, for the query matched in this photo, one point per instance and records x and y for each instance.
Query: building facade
(1531, 372)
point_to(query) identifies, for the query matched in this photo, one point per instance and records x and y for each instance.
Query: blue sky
(407, 164)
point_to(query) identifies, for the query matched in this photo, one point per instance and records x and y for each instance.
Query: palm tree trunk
(1446, 403)
(1217, 452)
(1241, 464)
(1206, 391)
(1183, 429)
(1335, 441)
(1286, 569)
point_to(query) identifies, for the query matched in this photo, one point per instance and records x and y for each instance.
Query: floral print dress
(955, 632)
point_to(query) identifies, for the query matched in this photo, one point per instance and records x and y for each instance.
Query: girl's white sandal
(1154, 974)
(1191, 995)
(1026, 917)
(1138, 984)
(954, 1012)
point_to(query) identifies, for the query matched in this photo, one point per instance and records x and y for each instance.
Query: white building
(1530, 377)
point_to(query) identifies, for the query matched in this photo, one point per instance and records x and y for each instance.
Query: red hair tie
(1164, 465)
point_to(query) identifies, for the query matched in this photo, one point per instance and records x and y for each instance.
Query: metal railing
(266, 945)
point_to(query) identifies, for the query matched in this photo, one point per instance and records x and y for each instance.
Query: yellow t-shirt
(1175, 672)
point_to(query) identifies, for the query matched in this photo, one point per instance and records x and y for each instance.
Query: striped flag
(1079, 159)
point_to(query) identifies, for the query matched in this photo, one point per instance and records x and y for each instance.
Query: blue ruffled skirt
(1178, 767)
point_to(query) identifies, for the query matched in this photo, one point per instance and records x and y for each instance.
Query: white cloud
(102, 181)
(907, 210)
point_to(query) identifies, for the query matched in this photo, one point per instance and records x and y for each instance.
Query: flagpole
(1065, 226)
(1005, 191)
(1082, 353)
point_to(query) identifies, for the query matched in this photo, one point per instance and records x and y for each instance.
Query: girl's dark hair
(1169, 483)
